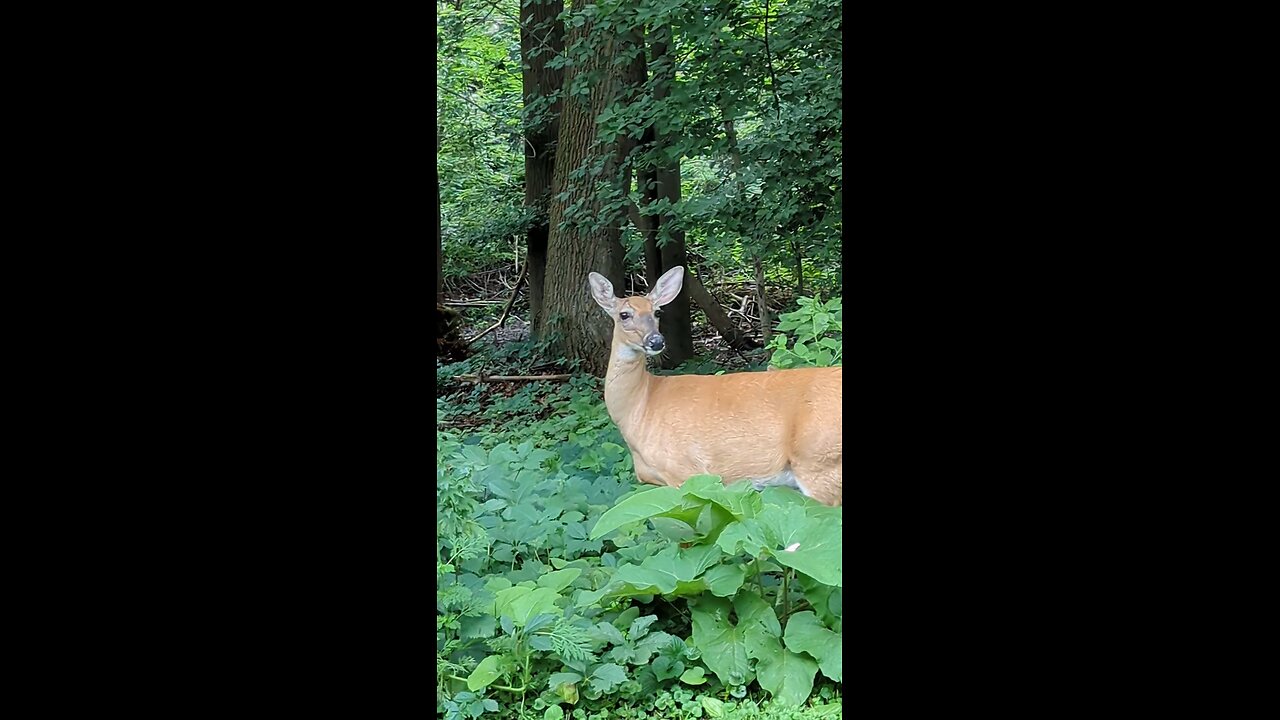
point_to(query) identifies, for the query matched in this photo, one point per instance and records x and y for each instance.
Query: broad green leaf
(521, 604)
(477, 627)
(641, 506)
(752, 610)
(778, 495)
(651, 643)
(588, 598)
(559, 579)
(805, 633)
(671, 571)
(622, 655)
(738, 498)
(553, 713)
(673, 529)
(724, 580)
(496, 583)
(607, 676)
(783, 524)
(745, 536)
(698, 484)
(713, 706)
(540, 621)
(563, 678)
(626, 617)
(688, 563)
(786, 675)
(688, 511)
(694, 676)
(608, 633)
(485, 673)
(722, 644)
(712, 520)
(809, 543)
(818, 553)
(646, 579)
(665, 668)
(825, 599)
(640, 627)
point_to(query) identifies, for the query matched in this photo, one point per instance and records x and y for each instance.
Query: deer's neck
(626, 387)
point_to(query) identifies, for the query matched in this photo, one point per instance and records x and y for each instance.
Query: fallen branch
(472, 303)
(508, 378)
(716, 315)
(524, 271)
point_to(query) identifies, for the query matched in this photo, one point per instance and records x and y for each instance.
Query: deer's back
(745, 425)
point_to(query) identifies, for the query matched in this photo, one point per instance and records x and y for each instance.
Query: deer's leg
(644, 473)
(818, 458)
(822, 482)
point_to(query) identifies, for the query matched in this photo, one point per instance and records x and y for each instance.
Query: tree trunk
(435, 180)
(581, 240)
(647, 225)
(677, 325)
(541, 39)
(795, 245)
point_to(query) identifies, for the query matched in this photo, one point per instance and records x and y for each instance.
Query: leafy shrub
(565, 592)
(730, 537)
(810, 336)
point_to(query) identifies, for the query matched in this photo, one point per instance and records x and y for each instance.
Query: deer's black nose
(655, 342)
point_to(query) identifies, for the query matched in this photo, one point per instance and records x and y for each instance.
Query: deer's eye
(624, 315)
(657, 312)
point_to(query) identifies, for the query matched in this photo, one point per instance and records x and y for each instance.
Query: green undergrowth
(567, 590)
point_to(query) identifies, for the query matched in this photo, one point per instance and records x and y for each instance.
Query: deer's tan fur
(780, 427)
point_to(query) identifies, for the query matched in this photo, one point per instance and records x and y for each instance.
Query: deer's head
(635, 319)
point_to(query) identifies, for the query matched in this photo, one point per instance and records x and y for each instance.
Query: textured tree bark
(677, 323)
(648, 224)
(435, 180)
(572, 323)
(541, 38)
(799, 267)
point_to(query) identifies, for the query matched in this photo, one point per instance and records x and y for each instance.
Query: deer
(777, 427)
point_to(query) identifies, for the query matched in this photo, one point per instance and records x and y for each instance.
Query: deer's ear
(667, 287)
(602, 291)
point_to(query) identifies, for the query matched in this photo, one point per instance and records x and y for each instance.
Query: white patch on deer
(784, 479)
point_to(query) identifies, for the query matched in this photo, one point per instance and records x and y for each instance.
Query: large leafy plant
(810, 336)
(762, 574)
(649, 616)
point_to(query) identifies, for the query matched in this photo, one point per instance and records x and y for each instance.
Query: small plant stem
(528, 654)
(802, 605)
(786, 598)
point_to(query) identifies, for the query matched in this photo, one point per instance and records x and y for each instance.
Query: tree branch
(508, 378)
(768, 57)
